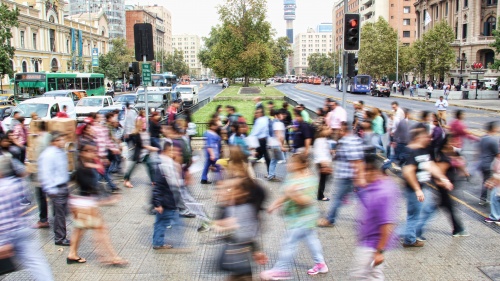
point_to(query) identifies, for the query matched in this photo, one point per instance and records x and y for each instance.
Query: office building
(308, 43)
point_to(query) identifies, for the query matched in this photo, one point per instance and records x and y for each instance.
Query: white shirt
(430, 89)
(321, 151)
(398, 116)
(441, 105)
(278, 128)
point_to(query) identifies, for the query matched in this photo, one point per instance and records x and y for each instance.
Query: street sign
(477, 72)
(146, 73)
(95, 57)
(157, 67)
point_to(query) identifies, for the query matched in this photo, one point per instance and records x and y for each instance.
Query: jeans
(60, 205)
(42, 204)
(274, 159)
(149, 165)
(27, 251)
(289, 247)
(262, 152)
(168, 217)
(398, 156)
(362, 269)
(155, 142)
(495, 204)
(344, 187)
(106, 177)
(208, 163)
(487, 174)
(115, 163)
(414, 207)
(377, 142)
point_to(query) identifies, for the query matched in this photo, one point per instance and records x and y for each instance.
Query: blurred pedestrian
(260, 131)
(212, 151)
(63, 113)
(42, 142)
(323, 161)
(275, 142)
(488, 150)
(442, 106)
(303, 134)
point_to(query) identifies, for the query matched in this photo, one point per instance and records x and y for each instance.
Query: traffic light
(352, 67)
(133, 67)
(351, 32)
(137, 80)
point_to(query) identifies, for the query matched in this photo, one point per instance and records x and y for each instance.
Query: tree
(240, 45)
(173, 62)
(280, 51)
(496, 46)
(438, 51)
(8, 18)
(115, 62)
(377, 53)
(323, 64)
(407, 60)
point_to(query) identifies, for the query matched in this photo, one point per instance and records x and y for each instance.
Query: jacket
(162, 195)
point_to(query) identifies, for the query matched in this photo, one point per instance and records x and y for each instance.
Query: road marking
(462, 202)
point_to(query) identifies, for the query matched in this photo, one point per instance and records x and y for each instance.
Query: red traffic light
(353, 23)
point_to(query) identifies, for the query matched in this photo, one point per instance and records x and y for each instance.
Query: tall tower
(290, 6)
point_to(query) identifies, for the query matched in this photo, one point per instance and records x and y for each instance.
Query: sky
(198, 16)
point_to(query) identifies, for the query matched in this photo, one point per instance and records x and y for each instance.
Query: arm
(276, 204)
(359, 167)
(385, 233)
(409, 174)
(437, 173)
(307, 145)
(293, 193)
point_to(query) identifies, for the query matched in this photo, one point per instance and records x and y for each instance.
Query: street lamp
(462, 60)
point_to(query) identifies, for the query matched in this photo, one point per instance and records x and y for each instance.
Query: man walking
(53, 175)
(302, 134)
(335, 118)
(441, 106)
(488, 150)
(275, 142)
(260, 130)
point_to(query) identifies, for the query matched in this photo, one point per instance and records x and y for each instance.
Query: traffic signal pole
(344, 62)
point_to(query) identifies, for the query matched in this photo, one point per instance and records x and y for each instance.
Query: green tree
(280, 51)
(496, 46)
(323, 64)
(115, 62)
(8, 18)
(438, 51)
(174, 62)
(377, 53)
(407, 60)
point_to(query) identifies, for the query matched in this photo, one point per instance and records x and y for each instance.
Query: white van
(46, 108)
(188, 94)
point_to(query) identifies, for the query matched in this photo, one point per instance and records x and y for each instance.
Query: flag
(427, 18)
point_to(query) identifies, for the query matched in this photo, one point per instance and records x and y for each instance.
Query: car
(140, 90)
(157, 101)
(75, 95)
(91, 104)
(123, 99)
(5, 111)
(7, 99)
(327, 82)
(381, 91)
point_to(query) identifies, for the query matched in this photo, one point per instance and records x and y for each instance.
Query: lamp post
(462, 60)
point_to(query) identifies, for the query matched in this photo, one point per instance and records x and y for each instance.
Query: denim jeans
(344, 187)
(487, 174)
(495, 204)
(107, 178)
(290, 245)
(377, 142)
(398, 156)
(414, 207)
(168, 217)
(27, 251)
(208, 163)
(274, 160)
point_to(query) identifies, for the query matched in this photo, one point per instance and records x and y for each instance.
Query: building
(47, 41)
(191, 46)
(473, 23)
(309, 43)
(324, 27)
(164, 22)
(114, 10)
(289, 15)
(399, 13)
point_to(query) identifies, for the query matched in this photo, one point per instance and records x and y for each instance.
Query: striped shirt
(11, 210)
(349, 148)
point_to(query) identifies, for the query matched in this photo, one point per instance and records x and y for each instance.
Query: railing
(201, 128)
(293, 103)
(195, 107)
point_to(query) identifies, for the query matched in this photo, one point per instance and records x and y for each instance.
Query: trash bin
(465, 95)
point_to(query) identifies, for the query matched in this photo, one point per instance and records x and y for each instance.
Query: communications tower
(289, 7)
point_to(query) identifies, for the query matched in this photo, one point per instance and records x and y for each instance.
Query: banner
(95, 57)
(428, 18)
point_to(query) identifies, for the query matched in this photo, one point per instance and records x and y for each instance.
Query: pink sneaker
(275, 275)
(318, 268)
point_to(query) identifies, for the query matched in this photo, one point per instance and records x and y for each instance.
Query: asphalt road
(465, 193)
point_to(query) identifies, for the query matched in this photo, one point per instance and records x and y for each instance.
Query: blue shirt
(213, 142)
(261, 128)
(53, 169)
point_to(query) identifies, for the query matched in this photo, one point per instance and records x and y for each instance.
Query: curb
(450, 103)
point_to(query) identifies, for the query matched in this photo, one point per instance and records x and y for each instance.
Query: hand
(378, 259)
(260, 258)
(447, 184)
(420, 195)
(6, 251)
(159, 209)
(212, 158)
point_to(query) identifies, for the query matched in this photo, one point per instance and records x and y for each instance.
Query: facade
(114, 10)
(309, 43)
(139, 15)
(191, 46)
(473, 23)
(47, 41)
(163, 23)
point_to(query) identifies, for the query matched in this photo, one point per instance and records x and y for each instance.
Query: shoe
(64, 242)
(203, 228)
(25, 202)
(205, 182)
(188, 215)
(482, 202)
(325, 223)
(421, 239)
(261, 160)
(414, 245)
(318, 268)
(116, 190)
(163, 247)
(324, 199)
(463, 233)
(127, 184)
(72, 261)
(490, 220)
(270, 178)
(41, 225)
(275, 275)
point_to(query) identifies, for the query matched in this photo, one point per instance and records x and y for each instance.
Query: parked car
(5, 111)
(123, 99)
(91, 104)
(75, 95)
(157, 101)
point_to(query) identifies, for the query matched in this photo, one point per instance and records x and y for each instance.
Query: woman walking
(323, 161)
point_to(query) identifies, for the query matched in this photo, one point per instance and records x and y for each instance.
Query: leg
(266, 155)
(272, 167)
(495, 204)
(314, 245)
(484, 191)
(130, 170)
(42, 204)
(344, 187)
(288, 249)
(413, 215)
(363, 270)
(76, 236)
(447, 203)
(428, 209)
(160, 226)
(204, 174)
(60, 202)
(322, 183)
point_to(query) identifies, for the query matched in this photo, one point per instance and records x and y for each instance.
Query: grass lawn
(245, 108)
(233, 90)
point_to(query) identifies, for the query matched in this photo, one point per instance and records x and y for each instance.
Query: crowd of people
(327, 148)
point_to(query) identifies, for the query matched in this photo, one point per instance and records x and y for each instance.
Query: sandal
(119, 262)
(325, 199)
(78, 260)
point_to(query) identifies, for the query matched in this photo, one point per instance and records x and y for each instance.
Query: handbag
(7, 265)
(85, 212)
(236, 257)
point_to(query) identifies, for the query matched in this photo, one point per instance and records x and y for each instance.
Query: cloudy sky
(198, 16)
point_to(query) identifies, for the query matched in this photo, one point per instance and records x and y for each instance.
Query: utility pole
(344, 63)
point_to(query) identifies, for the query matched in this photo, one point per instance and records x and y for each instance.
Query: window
(491, 2)
(457, 5)
(446, 9)
(406, 34)
(406, 21)
(25, 66)
(464, 31)
(406, 9)
(21, 38)
(466, 3)
(52, 40)
(489, 26)
(34, 41)
(436, 12)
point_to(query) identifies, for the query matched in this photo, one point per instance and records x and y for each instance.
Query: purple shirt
(379, 200)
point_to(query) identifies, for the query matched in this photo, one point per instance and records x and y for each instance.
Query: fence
(201, 128)
(195, 107)
(294, 103)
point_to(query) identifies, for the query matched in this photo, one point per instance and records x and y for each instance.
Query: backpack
(384, 123)
(270, 125)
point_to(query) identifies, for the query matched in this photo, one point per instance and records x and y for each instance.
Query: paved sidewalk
(442, 258)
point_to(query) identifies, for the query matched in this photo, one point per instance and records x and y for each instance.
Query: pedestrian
(63, 113)
(258, 103)
(212, 151)
(335, 118)
(275, 142)
(441, 106)
(260, 131)
(155, 129)
(323, 161)
(488, 150)
(437, 136)
(300, 214)
(493, 183)
(429, 91)
(302, 134)
(348, 171)
(129, 121)
(303, 112)
(377, 221)
(42, 142)
(84, 208)
(446, 89)
(319, 122)
(172, 111)
(378, 128)
(412, 89)
(418, 171)
(238, 138)
(54, 177)
(287, 120)
(459, 131)
(106, 147)
(20, 137)
(359, 116)
(400, 139)
(16, 241)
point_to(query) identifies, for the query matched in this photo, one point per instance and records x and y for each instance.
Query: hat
(55, 135)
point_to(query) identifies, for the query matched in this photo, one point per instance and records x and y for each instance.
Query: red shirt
(62, 114)
(172, 111)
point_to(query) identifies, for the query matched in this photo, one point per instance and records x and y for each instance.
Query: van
(188, 94)
(46, 108)
(75, 95)
(489, 83)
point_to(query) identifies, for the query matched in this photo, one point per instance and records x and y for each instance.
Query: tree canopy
(439, 55)
(115, 62)
(8, 18)
(323, 64)
(173, 62)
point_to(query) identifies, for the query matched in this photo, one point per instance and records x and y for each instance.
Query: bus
(359, 84)
(164, 79)
(29, 85)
